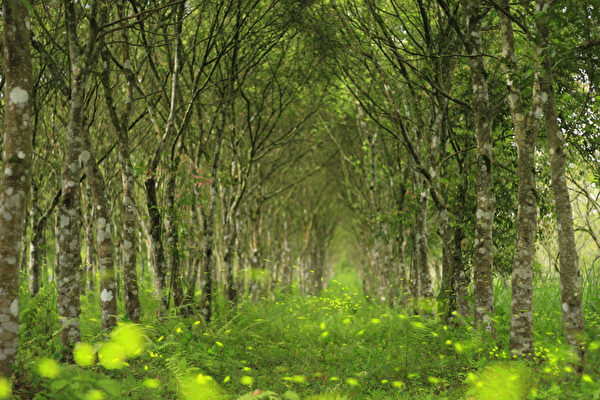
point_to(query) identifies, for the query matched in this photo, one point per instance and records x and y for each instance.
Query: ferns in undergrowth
(39, 326)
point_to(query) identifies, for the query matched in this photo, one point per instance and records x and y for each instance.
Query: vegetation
(285, 199)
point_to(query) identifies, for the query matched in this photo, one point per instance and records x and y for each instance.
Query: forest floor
(337, 345)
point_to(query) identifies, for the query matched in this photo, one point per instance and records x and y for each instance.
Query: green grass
(333, 346)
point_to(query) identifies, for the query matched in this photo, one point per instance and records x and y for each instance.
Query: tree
(81, 63)
(16, 171)
(569, 269)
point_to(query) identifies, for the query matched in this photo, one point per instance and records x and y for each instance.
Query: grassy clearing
(334, 346)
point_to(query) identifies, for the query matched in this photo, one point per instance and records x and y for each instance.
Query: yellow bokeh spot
(5, 389)
(398, 384)
(219, 344)
(322, 325)
(151, 383)
(418, 325)
(324, 334)
(130, 337)
(247, 380)
(587, 378)
(375, 321)
(458, 347)
(200, 387)
(227, 379)
(84, 354)
(352, 381)
(346, 321)
(48, 368)
(503, 380)
(203, 380)
(112, 355)
(295, 378)
(94, 394)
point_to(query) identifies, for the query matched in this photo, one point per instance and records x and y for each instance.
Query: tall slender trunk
(37, 247)
(486, 199)
(16, 173)
(90, 253)
(129, 235)
(196, 261)
(526, 129)
(106, 267)
(229, 262)
(569, 269)
(208, 260)
(35, 256)
(68, 280)
(422, 247)
(209, 233)
(172, 239)
(460, 275)
(158, 253)
(151, 182)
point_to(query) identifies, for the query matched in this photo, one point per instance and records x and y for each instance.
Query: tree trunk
(422, 247)
(35, 257)
(106, 267)
(68, 282)
(171, 231)
(209, 234)
(569, 269)
(208, 259)
(128, 206)
(89, 262)
(486, 199)
(228, 260)
(129, 235)
(195, 263)
(37, 247)
(16, 176)
(526, 130)
(158, 252)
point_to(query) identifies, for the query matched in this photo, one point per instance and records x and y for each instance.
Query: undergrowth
(337, 345)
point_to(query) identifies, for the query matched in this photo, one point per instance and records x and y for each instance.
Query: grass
(333, 346)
